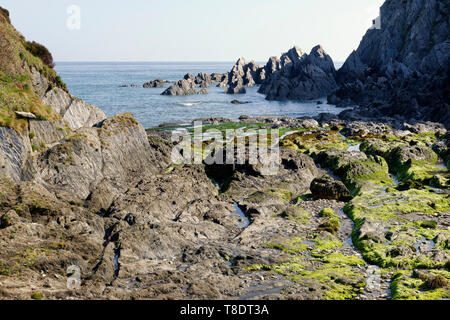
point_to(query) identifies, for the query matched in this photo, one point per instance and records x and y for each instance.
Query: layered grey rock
(109, 156)
(328, 188)
(39, 82)
(75, 112)
(47, 132)
(13, 152)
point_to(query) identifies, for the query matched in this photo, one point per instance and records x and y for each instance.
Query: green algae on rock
(334, 276)
(407, 285)
(390, 227)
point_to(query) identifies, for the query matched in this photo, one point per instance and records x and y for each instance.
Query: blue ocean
(98, 83)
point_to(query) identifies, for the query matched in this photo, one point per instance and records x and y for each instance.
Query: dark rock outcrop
(402, 69)
(181, 88)
(190, 85)
(204, 80)
(298, 76)
(243, 75)
(328, 188)
(239, 102)
(219, 77)
(158, 83)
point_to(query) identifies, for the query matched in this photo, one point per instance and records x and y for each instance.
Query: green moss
(405, 286)
(337, 258)
(333, 223)
(338, 282)
(428, 224)
(170, 169)
(296, 214)
(327, 213)
(37, 296)
(328, 242)
(5, 271)
(315, 142)
(380, 255)
(292, 246)
(270, 194)
(283, 195)
(391, 190)
(384, 207)
(401, 251)
(305, 197)
(365, 175)
(421, 171)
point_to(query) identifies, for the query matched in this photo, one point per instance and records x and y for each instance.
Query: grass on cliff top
(16, 89)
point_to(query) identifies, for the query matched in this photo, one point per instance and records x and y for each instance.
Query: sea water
(98, 83)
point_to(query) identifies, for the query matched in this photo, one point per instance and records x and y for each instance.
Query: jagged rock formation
(183, 87)
(204, 80)
(403, 68)
(190, 85)
(158, 83)
(107, 200)
(295, 76)
(243, 75)
(219, 77)
(298, 76)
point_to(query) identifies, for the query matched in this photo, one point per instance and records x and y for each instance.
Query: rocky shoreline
(401, 69)
(93, 207)
(297, 244)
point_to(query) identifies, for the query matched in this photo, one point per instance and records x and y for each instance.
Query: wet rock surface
(94, 208)
(331, 224)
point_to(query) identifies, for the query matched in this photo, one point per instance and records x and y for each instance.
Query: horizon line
(155, 61)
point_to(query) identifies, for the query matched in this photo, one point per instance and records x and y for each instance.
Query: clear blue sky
(193, 30)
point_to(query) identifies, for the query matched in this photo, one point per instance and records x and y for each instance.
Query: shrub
(41, 117)
(38, 50)
(5, 14)
(60, 83)
(37, 296)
